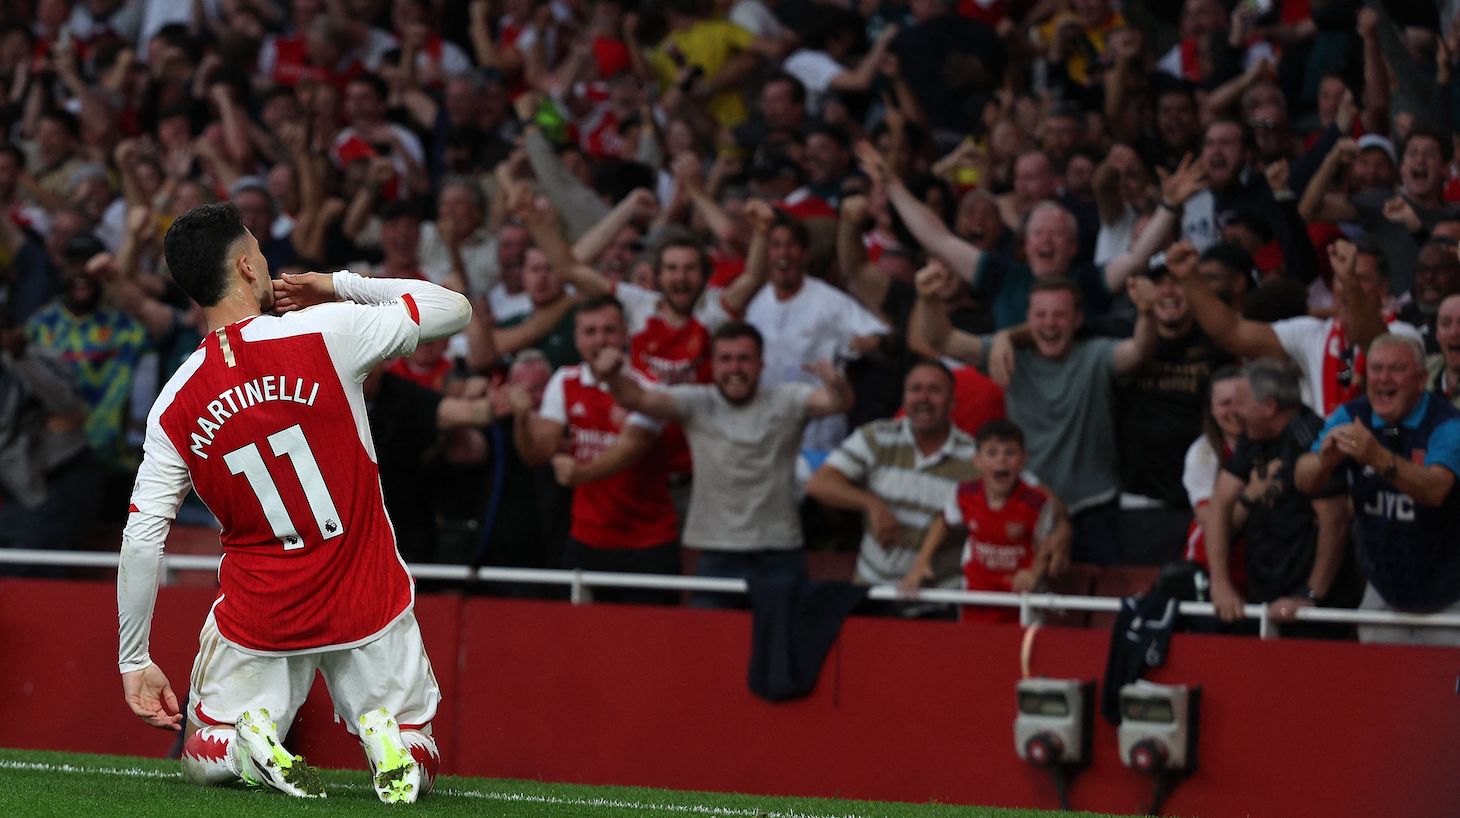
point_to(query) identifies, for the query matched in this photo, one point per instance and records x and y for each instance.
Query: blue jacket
(1409, 552)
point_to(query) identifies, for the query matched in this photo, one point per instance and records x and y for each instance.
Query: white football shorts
(391, 671)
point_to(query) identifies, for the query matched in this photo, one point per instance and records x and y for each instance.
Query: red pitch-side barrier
(909, 711)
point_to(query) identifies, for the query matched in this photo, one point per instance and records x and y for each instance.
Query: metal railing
(580, 582)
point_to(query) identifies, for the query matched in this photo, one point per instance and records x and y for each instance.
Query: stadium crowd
(1130, 254)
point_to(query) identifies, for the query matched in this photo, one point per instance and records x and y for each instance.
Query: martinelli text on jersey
(239, 398)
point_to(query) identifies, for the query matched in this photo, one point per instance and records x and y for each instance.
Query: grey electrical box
(1055, 721)
(1158, 726)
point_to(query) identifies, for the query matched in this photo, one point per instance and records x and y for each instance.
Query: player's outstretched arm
(162, 481)
(440, 312)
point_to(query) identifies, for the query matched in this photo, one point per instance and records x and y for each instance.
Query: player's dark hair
(196, 246)
(738, 329)
(1000, 429)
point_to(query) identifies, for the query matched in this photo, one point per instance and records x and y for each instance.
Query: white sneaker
(397, 776)
(263, 759)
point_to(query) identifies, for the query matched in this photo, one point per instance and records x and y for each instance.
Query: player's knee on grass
(207, 756)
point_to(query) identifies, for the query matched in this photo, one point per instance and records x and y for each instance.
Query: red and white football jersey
(629, 509)
(1000, 541)
(267, 422)
(671, 355)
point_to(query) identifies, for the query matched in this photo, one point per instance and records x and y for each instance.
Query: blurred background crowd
(1084, 216)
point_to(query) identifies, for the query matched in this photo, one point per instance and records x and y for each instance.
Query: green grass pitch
(73, 785)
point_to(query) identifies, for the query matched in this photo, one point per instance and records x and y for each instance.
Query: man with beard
(900, 473)
(742, 518)
(622, 515)
(1159, 412)
(1061, 394)
(1444, 366)
(100, 344)
(1400, 448)
(1233, 186)
(1436, 277)
(669, 327)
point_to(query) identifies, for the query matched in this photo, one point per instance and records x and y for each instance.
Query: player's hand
(151, 698)
(1226, 600)
(295, 291)
(565, 470)
(1024, 582)
(882, 523)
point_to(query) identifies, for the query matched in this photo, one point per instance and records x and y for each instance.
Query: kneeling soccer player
(266, 421)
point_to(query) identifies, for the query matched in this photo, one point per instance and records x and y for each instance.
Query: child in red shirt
(1016, 529)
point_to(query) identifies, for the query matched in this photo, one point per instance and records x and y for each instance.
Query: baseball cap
(1373, 140)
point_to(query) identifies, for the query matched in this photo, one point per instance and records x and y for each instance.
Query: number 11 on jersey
(290, 443)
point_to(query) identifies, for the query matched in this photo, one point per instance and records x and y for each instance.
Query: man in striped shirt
(900, 473)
